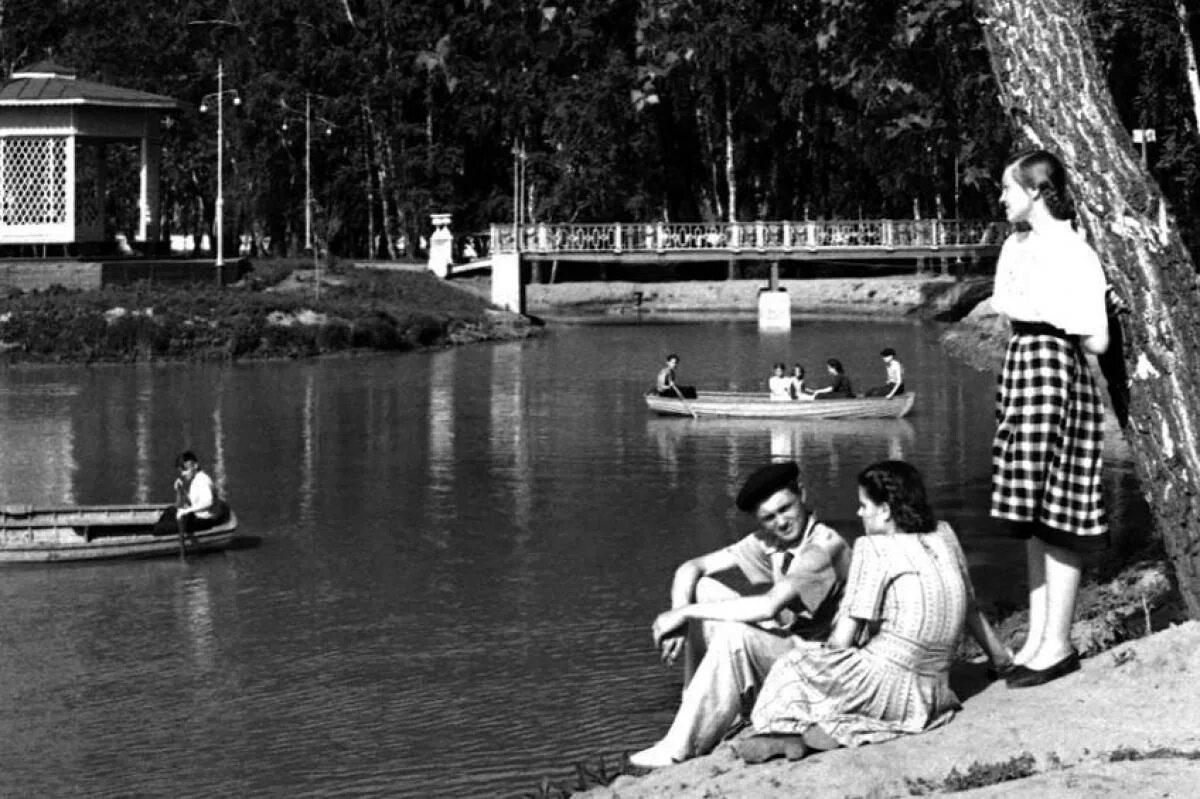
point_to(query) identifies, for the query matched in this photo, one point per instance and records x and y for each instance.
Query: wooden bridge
(506, 247)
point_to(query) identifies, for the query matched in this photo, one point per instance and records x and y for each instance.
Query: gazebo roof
(47, 83)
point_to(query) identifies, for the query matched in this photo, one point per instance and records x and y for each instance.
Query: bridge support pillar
(441, 246)
(508, 290)
(774, 309)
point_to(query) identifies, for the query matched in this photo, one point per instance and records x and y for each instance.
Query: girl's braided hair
(1042, 171)
(900, 486)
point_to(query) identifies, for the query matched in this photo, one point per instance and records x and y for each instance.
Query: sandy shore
(1125, 725)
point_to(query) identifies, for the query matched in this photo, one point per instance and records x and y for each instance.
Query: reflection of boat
(34, 535)
(739, 404)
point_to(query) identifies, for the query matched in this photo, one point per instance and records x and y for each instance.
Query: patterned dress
(913, 591)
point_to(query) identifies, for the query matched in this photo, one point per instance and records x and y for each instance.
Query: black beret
(765, 482)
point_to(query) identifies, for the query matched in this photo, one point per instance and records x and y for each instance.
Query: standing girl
(1046, 455)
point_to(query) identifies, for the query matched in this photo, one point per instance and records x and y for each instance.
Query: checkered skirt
(1046, 456)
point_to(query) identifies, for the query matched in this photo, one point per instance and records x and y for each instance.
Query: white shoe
(656, 756)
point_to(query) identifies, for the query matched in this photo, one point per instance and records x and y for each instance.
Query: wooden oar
(685, 402)
(181, 525)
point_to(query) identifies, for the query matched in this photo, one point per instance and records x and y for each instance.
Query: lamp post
(219, 96)
(308, 191)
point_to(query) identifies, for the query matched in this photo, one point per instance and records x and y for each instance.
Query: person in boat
(666, 386)
(840, 387)
(894, 385)
(797, 389)
(884, 672)
(198, 505)
(796, 568)
(779, 385)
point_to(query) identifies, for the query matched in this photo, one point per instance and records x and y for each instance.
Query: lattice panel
(33, 177)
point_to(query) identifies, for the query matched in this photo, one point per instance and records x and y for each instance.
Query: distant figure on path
(1047, 453)
(779, 385)
(665, 384)
(895, 376)
(798, 567)
(840, 387)
(885, 670)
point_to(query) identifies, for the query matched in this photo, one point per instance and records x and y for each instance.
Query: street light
(308, 193)
(219, 96)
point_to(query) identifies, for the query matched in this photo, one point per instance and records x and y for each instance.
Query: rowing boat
(747, 405)
(30, 534)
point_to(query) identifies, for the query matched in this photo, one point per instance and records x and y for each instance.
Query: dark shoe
(1025, 677)
(767, 746)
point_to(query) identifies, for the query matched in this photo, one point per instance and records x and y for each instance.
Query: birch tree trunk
(1056, 95)
(1189, 54)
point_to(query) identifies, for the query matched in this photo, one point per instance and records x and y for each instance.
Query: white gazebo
(54, 130)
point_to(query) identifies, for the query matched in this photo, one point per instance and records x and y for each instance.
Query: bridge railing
(779, 237)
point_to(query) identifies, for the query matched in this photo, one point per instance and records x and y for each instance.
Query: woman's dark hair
(798, 368)
(1041, 171)
(780, 365)
(900, 486)
(886, 352)
(835, 365)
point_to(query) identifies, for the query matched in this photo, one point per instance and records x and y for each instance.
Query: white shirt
(780, 387)
(201, 496)
(895, 372)
(1052, 277)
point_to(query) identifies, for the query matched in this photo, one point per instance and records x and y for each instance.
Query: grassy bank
(278, 311)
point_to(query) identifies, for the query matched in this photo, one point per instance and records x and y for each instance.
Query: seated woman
(840, 387)
(798, 391)
(779, 385)
(885, 670)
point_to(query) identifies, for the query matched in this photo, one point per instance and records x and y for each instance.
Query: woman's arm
(999, 654)
(845, 632)
(1097, 344)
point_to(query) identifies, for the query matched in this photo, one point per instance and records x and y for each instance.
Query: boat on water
(749, 405)
(31, 534)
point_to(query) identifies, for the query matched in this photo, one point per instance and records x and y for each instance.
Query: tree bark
(1189, 55)
(1056, 95)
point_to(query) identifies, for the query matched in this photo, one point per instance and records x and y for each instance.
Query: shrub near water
(387, 312)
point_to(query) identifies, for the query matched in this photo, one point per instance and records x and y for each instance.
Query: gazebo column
(148, 191)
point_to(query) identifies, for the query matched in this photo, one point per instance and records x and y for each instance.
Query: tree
(1055, 94)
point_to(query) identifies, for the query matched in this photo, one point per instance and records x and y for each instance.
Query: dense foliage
(618, 109)
(355, 311)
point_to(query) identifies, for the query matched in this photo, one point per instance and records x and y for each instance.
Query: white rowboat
(748, 405)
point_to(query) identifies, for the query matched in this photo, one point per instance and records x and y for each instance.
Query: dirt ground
(1127, 724)
(887, 295)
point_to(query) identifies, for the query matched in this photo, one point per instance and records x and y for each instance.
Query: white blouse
(1054, 278)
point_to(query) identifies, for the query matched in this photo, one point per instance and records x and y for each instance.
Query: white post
(508, 290)
(220, 204)
(441, 246)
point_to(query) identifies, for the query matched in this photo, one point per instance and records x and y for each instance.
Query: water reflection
(145, 396)
(509, 448)
(807, 441)
(441, 465)
(308, 437)
(197, 617)
(37, 443)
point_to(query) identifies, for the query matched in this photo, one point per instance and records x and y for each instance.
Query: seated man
(895, 376)
(199, 508)
(665, 384)
(802, 567)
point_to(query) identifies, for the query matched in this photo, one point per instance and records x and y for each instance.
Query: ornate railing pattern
(735, 237)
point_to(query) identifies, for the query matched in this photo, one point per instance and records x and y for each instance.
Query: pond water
(459, 554)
